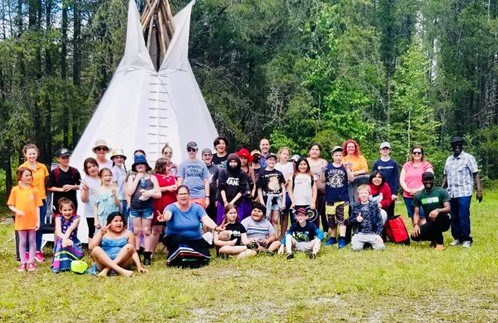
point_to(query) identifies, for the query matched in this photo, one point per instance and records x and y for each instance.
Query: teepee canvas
(144, 108)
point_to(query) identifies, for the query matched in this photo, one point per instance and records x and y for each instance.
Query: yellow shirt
(28, 200)
(359, 162)
(40, 174)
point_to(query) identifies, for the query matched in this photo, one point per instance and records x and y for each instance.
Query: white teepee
(143, 108)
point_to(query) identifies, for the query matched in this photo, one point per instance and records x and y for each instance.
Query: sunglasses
(118, 157)
(416, 153)
(207, 155)
(167, 153)
(64, 157)
(189, 149)
(101, 148)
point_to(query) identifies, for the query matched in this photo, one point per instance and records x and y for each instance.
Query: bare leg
(232, 250)
(245, 254)
(154, 238)
(137, 229)
(146, 231)
(342, 230)
(104, 263)
(274, 246)
(333, 232)
(275, 215)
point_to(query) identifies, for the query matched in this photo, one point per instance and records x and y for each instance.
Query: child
(336, 177)
(142, 187)
(232, 185)
(271, 190)
(260, 232)
(302, 188)
(303, 235)
(25, 202)
(119, 177)
(67, 247)
(365, 216)
(106, 199)
(287, 169)
(89, 186)
(233, 240)
(64, 180)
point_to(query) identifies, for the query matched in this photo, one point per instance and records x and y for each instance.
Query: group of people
(240, 203)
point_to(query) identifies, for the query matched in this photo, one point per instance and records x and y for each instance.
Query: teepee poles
(158, 28)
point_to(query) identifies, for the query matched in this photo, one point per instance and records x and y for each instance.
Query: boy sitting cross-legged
(303, 235)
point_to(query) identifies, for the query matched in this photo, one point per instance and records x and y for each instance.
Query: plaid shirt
(459, 174)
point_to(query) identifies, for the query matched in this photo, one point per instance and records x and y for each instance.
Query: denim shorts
(145, 214)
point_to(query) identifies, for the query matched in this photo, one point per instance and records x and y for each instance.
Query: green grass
(402, 283)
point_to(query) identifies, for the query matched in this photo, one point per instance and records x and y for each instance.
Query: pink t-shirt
(413, 175)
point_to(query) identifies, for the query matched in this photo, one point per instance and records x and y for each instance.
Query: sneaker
(455, 243)
(31, 267)
(433, 244)
(289, 256)
(27, 256)
(439, 247)
(331, 241)
(342, 243)
(466, 244)
(39, 256)
(281, 250)
(21, 268)
(312, 255)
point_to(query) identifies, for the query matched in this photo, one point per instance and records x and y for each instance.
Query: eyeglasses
(181, 193)
(416, 153)
(190, 149)
(168, 152)
(207, 155)
(101, 148)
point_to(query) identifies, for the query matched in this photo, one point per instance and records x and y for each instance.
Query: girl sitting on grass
(236, 241)
(113, 248)
(25, 202)
(67, 247)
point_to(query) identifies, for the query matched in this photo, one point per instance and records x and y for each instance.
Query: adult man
(194, 174)
(460, 172)
(264, 147)
(390, 170)
(435, 202)
(64, 180)
(214, 174)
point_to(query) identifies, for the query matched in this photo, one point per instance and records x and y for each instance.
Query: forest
(297, 71)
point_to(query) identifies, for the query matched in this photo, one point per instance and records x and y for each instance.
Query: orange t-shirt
(39, 177)
(28, 200)
(359, 162)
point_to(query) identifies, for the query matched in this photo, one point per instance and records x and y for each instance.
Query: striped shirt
(459, 173)
(258, 230)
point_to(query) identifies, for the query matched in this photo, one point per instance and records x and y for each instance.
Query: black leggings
(91, 227)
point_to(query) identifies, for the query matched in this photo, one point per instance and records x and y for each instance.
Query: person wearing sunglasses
(101, 149)
(63, 180)
(410, 180)
(194, 174)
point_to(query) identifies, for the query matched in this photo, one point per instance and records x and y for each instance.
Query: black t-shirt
(221, 162)
(237, 230)
(59, 178)
(270, 181)
(232, 182)
(303, 234)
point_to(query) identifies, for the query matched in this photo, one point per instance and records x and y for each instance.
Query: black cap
(427, 175)
(63, 152)
(456, 139)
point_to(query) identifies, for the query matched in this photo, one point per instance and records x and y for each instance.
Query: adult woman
(167, 186)
(183, 238)
(352, 155)
(317, 167)
(381, 193)
(410, 179)
(220, 158)
(113, 248)
(89, 186)
(40, 175)
(287, 169)
(101, 149)
(167, 153)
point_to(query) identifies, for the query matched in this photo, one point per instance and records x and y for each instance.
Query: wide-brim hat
(117, 152)
(245, 153)
(140, 160)
(100, 143)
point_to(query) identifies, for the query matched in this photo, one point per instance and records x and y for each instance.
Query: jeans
(410, 209)
(460, 218)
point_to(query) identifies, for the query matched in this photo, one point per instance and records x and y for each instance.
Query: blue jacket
(372, 221)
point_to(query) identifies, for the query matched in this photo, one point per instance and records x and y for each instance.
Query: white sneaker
(466, 244)
(455, 243)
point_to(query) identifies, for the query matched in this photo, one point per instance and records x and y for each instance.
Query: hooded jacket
(232, 180)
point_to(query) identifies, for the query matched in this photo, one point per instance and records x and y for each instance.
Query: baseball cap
(455, 139)
(63, 152)
(206, 151)
(336, 148)
(255, 152)
(271, 155)
(427, 175)
(385, 144)
(192, 144)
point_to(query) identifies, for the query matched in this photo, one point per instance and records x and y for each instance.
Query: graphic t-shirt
(237, 230)
(221, 162)
(303, 234)
(302, 185)
(194, 173)
(390, 171)
(270, 181)
(432, 200)
(336, 184)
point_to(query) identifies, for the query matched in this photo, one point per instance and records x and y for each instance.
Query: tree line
(297, 71)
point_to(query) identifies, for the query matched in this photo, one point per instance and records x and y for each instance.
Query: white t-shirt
(286, 169)
(303, 192)
(93, 186)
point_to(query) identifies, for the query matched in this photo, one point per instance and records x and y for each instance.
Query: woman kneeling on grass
(233, 241)
(113, 248)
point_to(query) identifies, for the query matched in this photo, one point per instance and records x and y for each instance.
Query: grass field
(401, 284)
